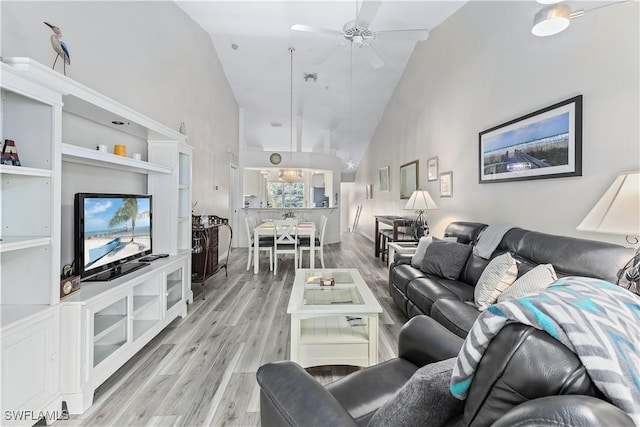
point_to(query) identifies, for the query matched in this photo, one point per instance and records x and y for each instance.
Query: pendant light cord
(291, 50)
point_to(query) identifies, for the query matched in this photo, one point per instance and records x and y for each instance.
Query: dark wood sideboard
(204, 256)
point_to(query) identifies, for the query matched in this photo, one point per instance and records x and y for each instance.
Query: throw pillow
(423, 243)
(424, 400)
(496, 277)
(532, 282)
(445, 259)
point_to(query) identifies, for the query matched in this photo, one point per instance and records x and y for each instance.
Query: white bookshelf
(40, 109)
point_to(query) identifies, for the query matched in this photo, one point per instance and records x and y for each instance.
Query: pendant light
(290, 174)
(350, 164)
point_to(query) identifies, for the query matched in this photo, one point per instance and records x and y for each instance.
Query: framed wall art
(408, 179)
(384, 178)
(432, 169)
(544, 144)
(446, 184)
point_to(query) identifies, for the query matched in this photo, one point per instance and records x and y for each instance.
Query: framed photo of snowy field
(544, 144)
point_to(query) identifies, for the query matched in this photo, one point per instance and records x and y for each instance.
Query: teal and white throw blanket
(598, 321)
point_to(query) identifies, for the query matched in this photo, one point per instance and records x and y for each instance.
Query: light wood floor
(200, 370)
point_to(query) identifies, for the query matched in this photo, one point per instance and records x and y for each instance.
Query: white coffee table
(333, 325)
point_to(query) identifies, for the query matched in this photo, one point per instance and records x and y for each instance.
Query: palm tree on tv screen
(127, 212)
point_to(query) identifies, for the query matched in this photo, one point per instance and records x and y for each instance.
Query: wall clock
(275, 158)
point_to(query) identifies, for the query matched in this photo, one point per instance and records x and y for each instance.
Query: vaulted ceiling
(349, 95)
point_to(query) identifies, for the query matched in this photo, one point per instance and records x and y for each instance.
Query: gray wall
(150, 57)
(483, 67)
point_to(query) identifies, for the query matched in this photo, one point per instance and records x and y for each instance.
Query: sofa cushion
(423, 401)
(424, 291)
(532, 282)
(500, 273)
(376, 385)
(418, 256)
(456, 316)
(445, 259)
(401, 275)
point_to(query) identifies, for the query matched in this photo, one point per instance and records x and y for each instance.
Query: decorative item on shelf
(544, 144)
(289, 214)
(446, 184)
(183, 128)
(618, 212)
(216, 220)
(120, 150)
(196, 220)
(10, 153)
(101, 148)
(432, 169)
(137, 156)
(290, 175)
(420, 201)
(59, 47)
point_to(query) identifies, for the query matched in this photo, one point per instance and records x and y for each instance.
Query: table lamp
(618, 212)
(419, 202)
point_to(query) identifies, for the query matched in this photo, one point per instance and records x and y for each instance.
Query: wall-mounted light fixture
(556, 16)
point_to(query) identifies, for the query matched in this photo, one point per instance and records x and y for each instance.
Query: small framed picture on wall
(384, 178)
(432, 169)
(446, 184)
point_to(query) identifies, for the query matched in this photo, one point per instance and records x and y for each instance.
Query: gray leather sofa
(450, 302)
(525, 378)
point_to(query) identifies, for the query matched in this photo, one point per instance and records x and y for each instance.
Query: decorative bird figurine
(59, 46)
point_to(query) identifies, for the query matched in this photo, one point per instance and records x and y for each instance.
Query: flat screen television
(112, 232)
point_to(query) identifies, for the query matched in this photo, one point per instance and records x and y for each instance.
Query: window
(285, 194)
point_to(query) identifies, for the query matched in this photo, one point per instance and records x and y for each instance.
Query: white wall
(149, 56)
(483, 67)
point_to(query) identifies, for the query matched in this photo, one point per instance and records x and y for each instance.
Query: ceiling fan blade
(372, 56)
(368, 11)
(401, 35)
(310, 29)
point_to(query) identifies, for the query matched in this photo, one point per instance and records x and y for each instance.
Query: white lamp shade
(551, 20)
(618, 210)
(420, 200)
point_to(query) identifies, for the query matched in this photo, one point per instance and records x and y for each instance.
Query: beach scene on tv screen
(115, 228)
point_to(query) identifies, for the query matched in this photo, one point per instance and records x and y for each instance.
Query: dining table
(304, 229)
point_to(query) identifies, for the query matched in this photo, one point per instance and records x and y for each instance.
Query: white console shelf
(105, 323)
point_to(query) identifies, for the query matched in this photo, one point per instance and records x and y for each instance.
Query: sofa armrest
(422, 341)
(565, 410)
(290, 396)
(399, 259)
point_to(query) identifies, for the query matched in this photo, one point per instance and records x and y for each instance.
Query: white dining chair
(285, 240)
(264, 244)
(305, 242)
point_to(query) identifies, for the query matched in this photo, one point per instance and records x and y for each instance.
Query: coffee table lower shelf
(333, 340)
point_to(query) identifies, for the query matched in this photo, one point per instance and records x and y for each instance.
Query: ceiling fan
(358, 33)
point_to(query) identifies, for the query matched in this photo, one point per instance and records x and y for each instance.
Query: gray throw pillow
(418, 256)
(425, 400)
(499, 274)
(445, 259)
(532, 282)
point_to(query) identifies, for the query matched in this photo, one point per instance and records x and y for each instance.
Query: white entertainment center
(57, 350)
